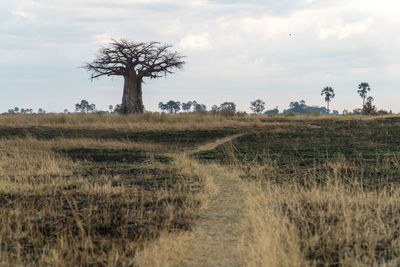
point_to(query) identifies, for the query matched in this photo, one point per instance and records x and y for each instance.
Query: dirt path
(213, 145)
(214, 239)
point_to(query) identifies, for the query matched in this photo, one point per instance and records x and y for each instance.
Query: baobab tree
(329, 94)
(134, 62)
(363, 89)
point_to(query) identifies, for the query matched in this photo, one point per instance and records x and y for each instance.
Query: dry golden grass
(72, 143)
(147, 121)
(337, 222)
(172, 249)
(162, 121)
(167, 250)
(268, 237)
(52, 213)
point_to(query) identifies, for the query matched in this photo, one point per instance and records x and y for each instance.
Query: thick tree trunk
(132, 97)
(139, 99)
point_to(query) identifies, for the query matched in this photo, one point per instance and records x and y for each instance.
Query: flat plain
(190, 189)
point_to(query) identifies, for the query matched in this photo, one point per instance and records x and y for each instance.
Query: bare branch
(125, 58)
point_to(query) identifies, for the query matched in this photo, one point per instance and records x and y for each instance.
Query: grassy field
(73, 195)
(101, 190)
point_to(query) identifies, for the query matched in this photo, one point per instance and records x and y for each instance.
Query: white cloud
(342, 30)
(200, 42)
(104, 38)
(25, 10)
(24, 15)
(255, 43)
(272, 27)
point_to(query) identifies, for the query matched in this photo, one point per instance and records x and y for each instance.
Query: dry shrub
(269, 239)
(168, 250)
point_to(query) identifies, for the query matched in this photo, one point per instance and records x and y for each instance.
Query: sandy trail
(213, 145)
(214, 239)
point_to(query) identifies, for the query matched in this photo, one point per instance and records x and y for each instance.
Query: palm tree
(329, 94)
(363, 89)
(370, 99)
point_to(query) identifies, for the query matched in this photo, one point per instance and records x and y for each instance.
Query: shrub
(290, 114)
(201, 112)
(382, 112)
(369, 109)
(241, 114)
(227, 112)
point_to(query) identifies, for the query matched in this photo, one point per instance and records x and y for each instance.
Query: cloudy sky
(279, 51)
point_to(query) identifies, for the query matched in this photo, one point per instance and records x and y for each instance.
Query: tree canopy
(134, 61)
(171, 106)
(329, 93)
(300, 107)
(153, 60)
(228, 106)
(257, 106)
(84, 106)
(363, 89)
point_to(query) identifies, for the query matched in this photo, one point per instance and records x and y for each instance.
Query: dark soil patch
(371, 146)
(127, 216)
(113, 155)
(150, 179)
(175, 138)
(364, 141)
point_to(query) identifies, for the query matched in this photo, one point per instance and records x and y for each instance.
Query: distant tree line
(296, 107)
(173, 107)
(25, 111)
(300, 107)
(229, 108)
